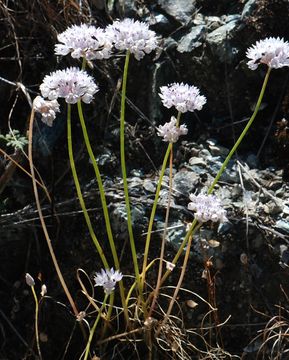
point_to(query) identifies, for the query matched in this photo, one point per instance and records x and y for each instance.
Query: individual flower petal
(170, 132)
(71, 84)
(47, 108)
(182, 96)
(207, 208)
(134, 36)
(107, 279)
(273, 52)
(84, 41)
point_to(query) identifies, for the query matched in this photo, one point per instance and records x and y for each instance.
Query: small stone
(213, 243)
(273, 207)
(197, 161)
(248, 9)
(217, 150)
(282, 225)
(180, 10)
(185, 181)
(192, 40)
(149, 186)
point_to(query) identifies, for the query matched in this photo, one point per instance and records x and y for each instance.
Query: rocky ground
(241, 265)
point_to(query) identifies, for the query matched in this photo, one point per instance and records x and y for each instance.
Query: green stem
(154, 208)
(36, 322)
(103, 202)
(78, 190)
(123, 169)
(181, 278)
(177, 256)
(83, 65)
(160, 271)
(92, 331)
(244, 132)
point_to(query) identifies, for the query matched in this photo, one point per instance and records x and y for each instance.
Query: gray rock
(199, 19)
(194, 160)
(218, 40)
(149, 186)
(160, 23)
(248, 8)
(192, 40)
(184, 182)
(181, 10)
(273, 208)
(213, 22)
(225, 228)
(119, 218)
(218, 150)
(286, 210)
(175, 234)
(282, 225)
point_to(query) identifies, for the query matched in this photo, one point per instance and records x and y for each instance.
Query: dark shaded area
(203, 42)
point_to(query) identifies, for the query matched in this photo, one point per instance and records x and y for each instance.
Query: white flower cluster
(71, 84)
(84, 41)
(273, 52)
(170, 132)
(207, 207)
(134, 36)
(107, 279)
(182, 96)
(47, 108)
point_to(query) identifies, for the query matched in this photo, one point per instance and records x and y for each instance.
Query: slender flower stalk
(30, 282)
(181, 278)
(123, 169)
(79, 192)
(176, 258)
(92, 331)
(244, 132)
(103, 203)
(155, 203)
(160, 271)
(207, 208)
(43, 224)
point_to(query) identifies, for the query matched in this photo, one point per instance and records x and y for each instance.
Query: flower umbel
(273, 52)
(134, 36)
(71, 84)
(84, 41)
(182, 96)
(207, 207)
(170, 132)
(107, 279)
(47, 108)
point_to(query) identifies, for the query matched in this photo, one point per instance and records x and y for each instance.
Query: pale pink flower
(107, 279)
(84, 41)
(71, 84)
(274, 52)
(207, 208)
(47, 109)
(170, 132)
(132, 35)
(182, 96)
